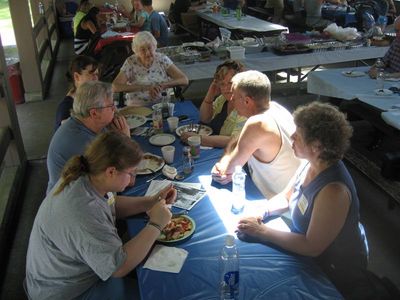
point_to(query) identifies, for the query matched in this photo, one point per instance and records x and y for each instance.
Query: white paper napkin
(166, 259)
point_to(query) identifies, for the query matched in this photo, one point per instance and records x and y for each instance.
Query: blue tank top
(349, 249)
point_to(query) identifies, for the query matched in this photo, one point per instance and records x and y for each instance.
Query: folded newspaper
(188, 194)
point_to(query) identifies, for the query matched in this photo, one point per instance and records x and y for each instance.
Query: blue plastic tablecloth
(265, 272)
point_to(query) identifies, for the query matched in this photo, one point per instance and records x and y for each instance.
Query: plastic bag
(342, 34)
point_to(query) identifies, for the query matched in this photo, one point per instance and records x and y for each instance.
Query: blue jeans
(113, 289)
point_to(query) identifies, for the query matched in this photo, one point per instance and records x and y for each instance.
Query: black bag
(391, 166)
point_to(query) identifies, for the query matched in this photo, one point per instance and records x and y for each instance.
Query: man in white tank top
(264, 142)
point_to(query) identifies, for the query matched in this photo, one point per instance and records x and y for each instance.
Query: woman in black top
(82, 69)
(87, 33)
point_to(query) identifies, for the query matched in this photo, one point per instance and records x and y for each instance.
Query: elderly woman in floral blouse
(146, 73)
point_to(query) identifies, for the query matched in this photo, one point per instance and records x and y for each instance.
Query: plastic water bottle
(187, 160)
(229, 267)
(382, 22)
(164, 105)
(238, 13)
(157, 121)
(238, 190)
(41, 8)
(380, 74)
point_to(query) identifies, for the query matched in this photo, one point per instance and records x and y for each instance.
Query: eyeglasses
(131, 174)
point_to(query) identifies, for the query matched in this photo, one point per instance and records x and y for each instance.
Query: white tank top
(271, 178)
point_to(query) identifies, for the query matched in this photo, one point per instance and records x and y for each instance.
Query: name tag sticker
(302, 204)
(111, 199)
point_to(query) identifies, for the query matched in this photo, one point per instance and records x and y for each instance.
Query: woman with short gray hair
(145, 74)
(322, 200)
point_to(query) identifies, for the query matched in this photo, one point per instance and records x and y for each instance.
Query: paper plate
(353, 73)
(149, 164)
(135, 121)
(179, 229)
(162, 139)
(135, 110)
(384, 92)
(204, 129)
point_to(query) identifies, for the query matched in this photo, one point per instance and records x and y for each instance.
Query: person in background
(278, 7)
(392, 56)
(87, 33)
(233, 4)
(322, 200)
(146, 73)
(83, 9)
(74, 250)
(217, 109)
(139, 17)
(264, 142)
(82, 69)
(183, 6)
(158, 26)
(93, 111)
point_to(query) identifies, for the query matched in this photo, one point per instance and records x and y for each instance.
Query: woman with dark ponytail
(74, 249)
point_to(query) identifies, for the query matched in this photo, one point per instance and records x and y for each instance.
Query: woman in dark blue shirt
(321, 198)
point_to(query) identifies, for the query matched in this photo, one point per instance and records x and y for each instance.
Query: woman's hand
(120, 124)
(186, 135)
(168, 194)
(155, 91)
(252, 226)
(160, 213)
(214, 90)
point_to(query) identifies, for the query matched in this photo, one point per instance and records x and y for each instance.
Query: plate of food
(135, 110)
(178, 229)
(197, 128)
(149, 164)
(135, 121)
(383, 92)
(352, 73)
(162, 139)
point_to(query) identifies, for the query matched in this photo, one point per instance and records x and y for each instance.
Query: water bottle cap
(229, 240)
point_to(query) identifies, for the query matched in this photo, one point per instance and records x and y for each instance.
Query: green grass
(5, 17)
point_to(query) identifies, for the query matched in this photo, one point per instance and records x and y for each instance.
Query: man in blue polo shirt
(93, 110)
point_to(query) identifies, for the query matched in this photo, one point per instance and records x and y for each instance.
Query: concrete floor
(37, 121)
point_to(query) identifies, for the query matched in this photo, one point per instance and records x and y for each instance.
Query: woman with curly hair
(322, 200)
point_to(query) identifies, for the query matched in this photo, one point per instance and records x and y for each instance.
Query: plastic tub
(236, 52)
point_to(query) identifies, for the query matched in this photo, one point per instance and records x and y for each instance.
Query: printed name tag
(302, 204)
(111, 199)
